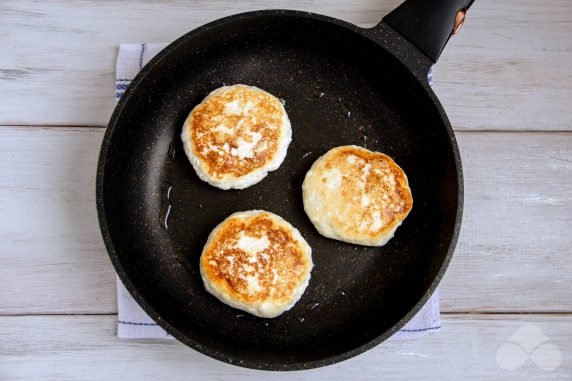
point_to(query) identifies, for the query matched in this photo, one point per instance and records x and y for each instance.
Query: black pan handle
(428, 24)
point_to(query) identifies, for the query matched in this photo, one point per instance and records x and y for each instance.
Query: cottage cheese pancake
(257, 262)
(356, 195)
(236, 135)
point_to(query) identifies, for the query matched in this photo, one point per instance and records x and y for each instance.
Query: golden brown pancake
(356, 195)
(257, 262)
(236, 135)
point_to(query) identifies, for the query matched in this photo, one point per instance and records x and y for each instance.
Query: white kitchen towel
(133, 322)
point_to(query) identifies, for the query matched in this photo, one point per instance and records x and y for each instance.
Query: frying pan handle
(428, 24)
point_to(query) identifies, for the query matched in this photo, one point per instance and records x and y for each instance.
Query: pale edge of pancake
(312, 201)
(232, 182)
(263, 310)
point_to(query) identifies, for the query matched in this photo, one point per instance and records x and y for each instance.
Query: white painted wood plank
(62, 54)
(85, 348)
(515, 245)
(52, 257)
(513, 254)
(507, 69)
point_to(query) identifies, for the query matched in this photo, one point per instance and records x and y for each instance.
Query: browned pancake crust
(264, 118)
(280, 267)
(375, 176)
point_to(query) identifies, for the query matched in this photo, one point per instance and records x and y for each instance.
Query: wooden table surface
(506, 83)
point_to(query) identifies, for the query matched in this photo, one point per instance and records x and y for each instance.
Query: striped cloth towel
(133, 322)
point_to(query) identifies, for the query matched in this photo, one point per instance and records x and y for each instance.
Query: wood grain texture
(72, 69)
(515, 244)
(513, 254)
(52, 255)
(85, 348)
(507, 69)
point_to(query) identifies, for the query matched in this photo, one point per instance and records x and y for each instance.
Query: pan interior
(339, 88)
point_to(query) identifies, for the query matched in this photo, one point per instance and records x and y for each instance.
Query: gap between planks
(464, 130)
(443, 313)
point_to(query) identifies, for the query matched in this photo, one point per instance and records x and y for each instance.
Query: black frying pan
(342, 85)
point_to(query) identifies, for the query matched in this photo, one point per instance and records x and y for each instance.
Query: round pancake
(356, 195)
(236, 135)
(257, 262)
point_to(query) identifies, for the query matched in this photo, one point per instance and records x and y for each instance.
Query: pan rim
(197, 346)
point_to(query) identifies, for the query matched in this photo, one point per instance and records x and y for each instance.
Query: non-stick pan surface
(340, 86)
